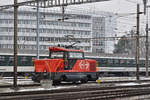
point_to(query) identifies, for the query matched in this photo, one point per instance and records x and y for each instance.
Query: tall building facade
(103, 26)
(53, 31)
(98, 31)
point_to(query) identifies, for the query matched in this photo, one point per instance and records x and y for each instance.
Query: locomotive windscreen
(57, 55)
(76, 55)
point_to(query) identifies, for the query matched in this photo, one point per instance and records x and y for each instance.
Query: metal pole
(37, 30)
(63, 13)
(15, 43)
(137, 43)
(146, 45)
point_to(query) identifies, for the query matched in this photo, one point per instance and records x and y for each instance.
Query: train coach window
(2, 58)
(128, 62)
(142, 63)
(11, 58)
(110, 61)
(122, 61)
(134, 62)
(23, 59)
(10, 61)
(104, 62)
(116, 61)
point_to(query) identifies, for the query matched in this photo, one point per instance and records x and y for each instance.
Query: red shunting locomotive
(65, 65)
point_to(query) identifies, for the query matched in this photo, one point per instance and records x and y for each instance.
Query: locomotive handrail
(57, 67)
(48, 68)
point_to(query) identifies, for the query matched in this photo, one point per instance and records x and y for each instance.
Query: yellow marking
(98, 81)
(26, 77)
(57, 66)
(48, 65)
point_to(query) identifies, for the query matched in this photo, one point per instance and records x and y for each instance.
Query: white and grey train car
(119, 66)
(107, 66)
(24, 64)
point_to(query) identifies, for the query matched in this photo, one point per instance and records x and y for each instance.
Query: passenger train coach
(119, 66)
(107, 66)
(24, 62)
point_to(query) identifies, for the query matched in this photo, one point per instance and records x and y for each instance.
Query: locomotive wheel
(56, 82)
(85, 80)
(36, 78)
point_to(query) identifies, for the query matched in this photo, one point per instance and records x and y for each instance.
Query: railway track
(81, 92)
(105, 83)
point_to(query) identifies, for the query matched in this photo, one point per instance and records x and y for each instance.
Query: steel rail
(80, 92)
(103, 83)
(120, 91)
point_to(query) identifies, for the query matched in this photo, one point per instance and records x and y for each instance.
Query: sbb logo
(84, 64)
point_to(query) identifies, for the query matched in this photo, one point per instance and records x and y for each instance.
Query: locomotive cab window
(76, 55)
(56, 54)
(72, 58)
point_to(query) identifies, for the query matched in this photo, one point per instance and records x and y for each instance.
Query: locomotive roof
(63, 49)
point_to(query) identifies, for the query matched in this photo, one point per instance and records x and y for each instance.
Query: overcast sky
(115, 6)
(122, 7)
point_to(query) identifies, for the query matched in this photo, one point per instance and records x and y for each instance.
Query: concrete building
(103, 26)
(78, 27)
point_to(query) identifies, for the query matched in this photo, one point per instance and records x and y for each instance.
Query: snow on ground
(129, 84)
(19, 81)
(121, 78)
(50, 88)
